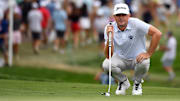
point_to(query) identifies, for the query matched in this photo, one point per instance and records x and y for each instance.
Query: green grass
(18, 90)
(85, 56)
(52, 75)
(32, 79)
(44, 74)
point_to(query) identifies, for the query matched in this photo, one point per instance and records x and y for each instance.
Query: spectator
(17, 33)
(25, 6)
(99, 24)
(60, 22)
(35, 19)
(51, 6)
(104, 78)
(46, 20)
(135, 8)
(163, 20)
(75, 27)
(69, 9)
(169, 55)
(107, 9)
(85, 24)
(145, 11)
(95, 7)
(3, 38)
(178, 10)
(153, 4)
(169, 6)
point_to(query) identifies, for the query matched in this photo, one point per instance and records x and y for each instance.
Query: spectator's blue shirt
(3, 29)
(59, 18)
(51, 7)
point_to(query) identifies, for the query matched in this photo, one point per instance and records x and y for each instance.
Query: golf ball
(107, 94)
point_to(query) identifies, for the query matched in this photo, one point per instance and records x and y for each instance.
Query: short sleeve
(142, 27)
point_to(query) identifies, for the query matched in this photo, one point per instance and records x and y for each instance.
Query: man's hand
(156, 35)
(110, 29)
(142, 57)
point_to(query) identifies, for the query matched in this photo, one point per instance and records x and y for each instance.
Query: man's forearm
(154, 43)
(106, 50)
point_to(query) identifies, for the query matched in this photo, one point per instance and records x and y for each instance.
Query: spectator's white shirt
(172, 8)
(128, 44)
(35, 18)
(108, 12)
(171, 53)
(4, 5)
(135, 5)
(78, 3)
(100, 23)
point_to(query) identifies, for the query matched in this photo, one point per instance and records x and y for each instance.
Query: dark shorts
(36, 35)
(60, 34)
(101, 37)
(3, 48)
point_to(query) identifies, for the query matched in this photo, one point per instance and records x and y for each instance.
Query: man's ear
(129, 15)
(114, 16)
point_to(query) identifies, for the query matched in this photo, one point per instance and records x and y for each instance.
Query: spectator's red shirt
(46, 15)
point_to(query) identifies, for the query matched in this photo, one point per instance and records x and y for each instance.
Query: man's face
(122, 19)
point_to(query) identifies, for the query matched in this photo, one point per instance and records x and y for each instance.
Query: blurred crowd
(82, 21)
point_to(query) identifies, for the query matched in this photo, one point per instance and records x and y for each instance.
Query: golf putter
(110, 42)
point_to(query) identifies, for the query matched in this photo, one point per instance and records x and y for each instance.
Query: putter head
(106, 94)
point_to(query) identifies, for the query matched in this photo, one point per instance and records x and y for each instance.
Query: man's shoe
(122, 86)
(137, 89)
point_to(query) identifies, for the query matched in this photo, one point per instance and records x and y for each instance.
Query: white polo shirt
(131, 42)
(171, 53)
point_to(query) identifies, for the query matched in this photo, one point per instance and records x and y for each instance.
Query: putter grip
(110, 37)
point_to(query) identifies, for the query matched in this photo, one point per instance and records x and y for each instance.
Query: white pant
(118, 65)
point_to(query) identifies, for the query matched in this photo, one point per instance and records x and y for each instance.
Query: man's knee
(116, 66)
(144, 65)
(105, 65)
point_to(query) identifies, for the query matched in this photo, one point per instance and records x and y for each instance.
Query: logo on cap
(120, 8)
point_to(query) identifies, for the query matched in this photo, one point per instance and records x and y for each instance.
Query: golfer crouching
(128, 48)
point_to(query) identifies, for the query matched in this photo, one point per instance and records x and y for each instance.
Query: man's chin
(122, 25)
